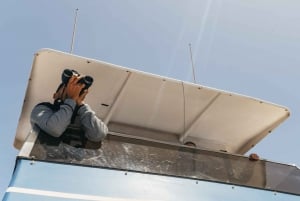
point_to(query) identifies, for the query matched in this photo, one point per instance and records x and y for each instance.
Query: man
(68, 111)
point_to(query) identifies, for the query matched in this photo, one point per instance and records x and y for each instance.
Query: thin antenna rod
(74, 30)
(191, 54)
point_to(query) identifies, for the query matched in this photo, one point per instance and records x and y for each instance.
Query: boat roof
(143, 105)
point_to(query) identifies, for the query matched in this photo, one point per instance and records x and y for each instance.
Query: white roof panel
(144, 105)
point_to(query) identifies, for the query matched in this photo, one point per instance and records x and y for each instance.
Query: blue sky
(247, 47)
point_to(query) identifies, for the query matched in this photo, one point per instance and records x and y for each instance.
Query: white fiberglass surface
(129, 100)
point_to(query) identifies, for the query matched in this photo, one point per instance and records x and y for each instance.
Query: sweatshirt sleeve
(95, 129)
(53, 122)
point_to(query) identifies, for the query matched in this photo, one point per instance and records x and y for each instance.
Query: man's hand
(81, 98)
(73, 90)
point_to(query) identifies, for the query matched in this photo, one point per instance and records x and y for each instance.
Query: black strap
(54, 107)
(75, 114)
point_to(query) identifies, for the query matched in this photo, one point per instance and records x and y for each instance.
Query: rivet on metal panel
(32, 160)
(253, 157)
(190, 144)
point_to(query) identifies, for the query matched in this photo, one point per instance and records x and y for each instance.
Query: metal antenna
(191, 54)
(74, 30)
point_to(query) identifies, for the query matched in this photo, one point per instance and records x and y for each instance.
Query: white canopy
(152, 107)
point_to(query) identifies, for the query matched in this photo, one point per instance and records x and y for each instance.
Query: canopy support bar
(117, 100)
(184, 135)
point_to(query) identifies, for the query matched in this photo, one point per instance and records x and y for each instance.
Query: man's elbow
(54, 132)
(98, 137)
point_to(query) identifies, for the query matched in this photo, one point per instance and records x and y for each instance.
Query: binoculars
(68, 73)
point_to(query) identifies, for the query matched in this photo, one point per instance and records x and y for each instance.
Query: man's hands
(73, 90)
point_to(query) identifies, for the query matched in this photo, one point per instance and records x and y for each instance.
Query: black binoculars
(68, 73)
